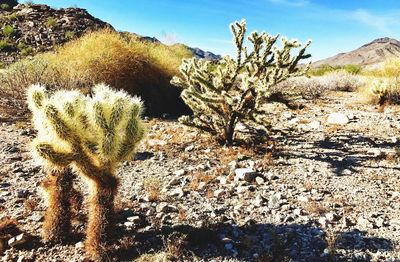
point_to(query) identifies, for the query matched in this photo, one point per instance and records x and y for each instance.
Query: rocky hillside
(28, 29)
(368, 55)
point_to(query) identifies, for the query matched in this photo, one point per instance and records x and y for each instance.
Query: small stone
(164, 207)
(331, 217)
(218, 193)
(274, 202)
(314, 124)
(22, 193)
(297, 212)
(189, 148)
(18, 240)
(134, 219)
(179, 172)
(226, 240)
(156, 142)
(246, 174)
(337, 119)
(259, 180)
(177, 192)
(79, 245)
(129, 224)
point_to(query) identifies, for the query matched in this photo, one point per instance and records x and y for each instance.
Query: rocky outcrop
(369, 55)
(35, 28)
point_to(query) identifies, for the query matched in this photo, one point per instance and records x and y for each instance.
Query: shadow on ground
(292, 242)
(342, 151)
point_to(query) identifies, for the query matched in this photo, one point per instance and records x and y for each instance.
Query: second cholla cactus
(236, 89)
(91, 135)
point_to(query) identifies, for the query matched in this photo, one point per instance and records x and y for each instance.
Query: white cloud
(383, 23)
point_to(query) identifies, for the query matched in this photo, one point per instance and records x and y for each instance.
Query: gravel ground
(311, 191)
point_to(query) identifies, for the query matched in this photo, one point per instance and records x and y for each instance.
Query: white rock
(218, 193)
(314, 124)
(260, 180)
(337, 119)
(189, 148)
(18, 240)
(244, 174)
(179, 172)
(79, 245)
(156, 142)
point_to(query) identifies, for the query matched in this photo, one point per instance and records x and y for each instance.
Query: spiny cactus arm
(60, 127)
(134, 132)
(302, 55)
(46, 151)
(36, 96)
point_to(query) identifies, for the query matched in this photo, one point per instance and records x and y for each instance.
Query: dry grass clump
(317, 86)
(105, 56)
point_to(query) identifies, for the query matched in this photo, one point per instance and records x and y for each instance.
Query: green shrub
(5, 45)
(352, 69)
(11, 17)
(29, 2)
(8, 31)
(4, 7)
(27, 51)
(69, 35)
(51, 22)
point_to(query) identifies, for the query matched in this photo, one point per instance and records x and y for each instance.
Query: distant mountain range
(369, 55)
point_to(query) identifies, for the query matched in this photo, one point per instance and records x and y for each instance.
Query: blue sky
(333, 25)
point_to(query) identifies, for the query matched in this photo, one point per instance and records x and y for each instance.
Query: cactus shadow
(341, 151)
(270, 242)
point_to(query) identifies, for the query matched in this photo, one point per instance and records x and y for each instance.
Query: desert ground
(307, 191)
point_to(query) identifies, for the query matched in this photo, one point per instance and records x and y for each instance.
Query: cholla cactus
(236, 90)
(92, 135)
(380, 88)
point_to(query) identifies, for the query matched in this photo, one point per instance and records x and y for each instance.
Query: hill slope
(368, 55)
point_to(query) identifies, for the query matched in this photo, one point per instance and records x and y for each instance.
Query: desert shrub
(69, 35)
(8, 31)
(342, 81)
(51, 22)
(15, 79)
(316, 86)
(237, 89)
(11, 17)
(91, 135)
(4, 7)
(27, 51)
(104, 56)
(306, 87)
(321, 70)
(352, 69)
(326, 69)
(6, 45)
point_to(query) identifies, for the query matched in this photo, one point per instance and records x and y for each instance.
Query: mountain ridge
(369, 55)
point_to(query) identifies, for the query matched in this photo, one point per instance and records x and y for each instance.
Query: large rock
(337, 119)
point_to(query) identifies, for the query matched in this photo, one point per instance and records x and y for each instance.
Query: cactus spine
(92, 135)
(236, 90)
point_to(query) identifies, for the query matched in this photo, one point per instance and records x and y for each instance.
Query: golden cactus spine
(92, 135)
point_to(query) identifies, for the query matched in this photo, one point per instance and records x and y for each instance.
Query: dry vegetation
(122, 61)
